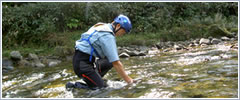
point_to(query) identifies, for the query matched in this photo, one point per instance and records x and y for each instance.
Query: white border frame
(115, 1)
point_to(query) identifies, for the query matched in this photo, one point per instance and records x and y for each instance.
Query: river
(201, 72)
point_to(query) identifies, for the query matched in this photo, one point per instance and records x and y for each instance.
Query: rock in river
(16, 55)
(124, 55)
(204, 41)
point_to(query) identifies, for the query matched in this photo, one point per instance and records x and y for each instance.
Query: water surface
(201, 72)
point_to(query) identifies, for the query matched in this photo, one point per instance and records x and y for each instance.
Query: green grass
(26, 50)
(67, 39)
(138, 39)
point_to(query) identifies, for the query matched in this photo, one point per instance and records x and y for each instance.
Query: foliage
(28, 23)
(44, 23)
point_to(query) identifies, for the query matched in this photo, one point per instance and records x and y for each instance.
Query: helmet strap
(114, 29)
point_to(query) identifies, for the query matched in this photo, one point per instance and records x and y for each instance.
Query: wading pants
(85, 70)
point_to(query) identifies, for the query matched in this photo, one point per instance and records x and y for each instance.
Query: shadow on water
(209, 72)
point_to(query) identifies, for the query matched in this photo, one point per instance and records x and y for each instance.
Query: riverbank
(64, 53)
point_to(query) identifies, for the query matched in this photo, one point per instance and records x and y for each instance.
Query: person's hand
(130, 80)
(136, 81)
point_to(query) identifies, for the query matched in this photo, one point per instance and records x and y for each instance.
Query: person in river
(99, 42)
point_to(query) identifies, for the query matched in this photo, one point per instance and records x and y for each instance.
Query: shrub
(38, 23)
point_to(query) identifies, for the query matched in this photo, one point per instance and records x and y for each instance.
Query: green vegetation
(47, 25)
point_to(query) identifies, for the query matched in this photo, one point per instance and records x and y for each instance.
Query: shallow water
(206, 72)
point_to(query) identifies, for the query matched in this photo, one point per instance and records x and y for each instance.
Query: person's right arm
(120, 69)
(109, 48)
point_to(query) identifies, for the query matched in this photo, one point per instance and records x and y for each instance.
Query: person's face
(121, 31)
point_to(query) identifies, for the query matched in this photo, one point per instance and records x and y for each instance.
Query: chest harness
(92, 49)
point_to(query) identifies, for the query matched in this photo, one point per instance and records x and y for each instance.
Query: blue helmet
(124, 22)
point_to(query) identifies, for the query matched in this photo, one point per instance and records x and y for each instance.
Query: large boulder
(16, 55)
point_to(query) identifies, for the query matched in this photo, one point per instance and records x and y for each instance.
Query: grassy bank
(52, 42)
(67, 39)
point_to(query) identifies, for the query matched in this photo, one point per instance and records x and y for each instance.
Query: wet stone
(166, 50)
(192, 45)
(54, 63)
(33, 57)
(7, 64)
(177, 47)
(215, 41)
(4, 71)
(24, 63)
(124, 55)
(16, 55)
(141, 54)
(39, 64)
(203, 45)
(185, 70)
(180, 79)
(211, 72)
(225, 38)
(230, 66)
(204, 41)
(154, 75)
